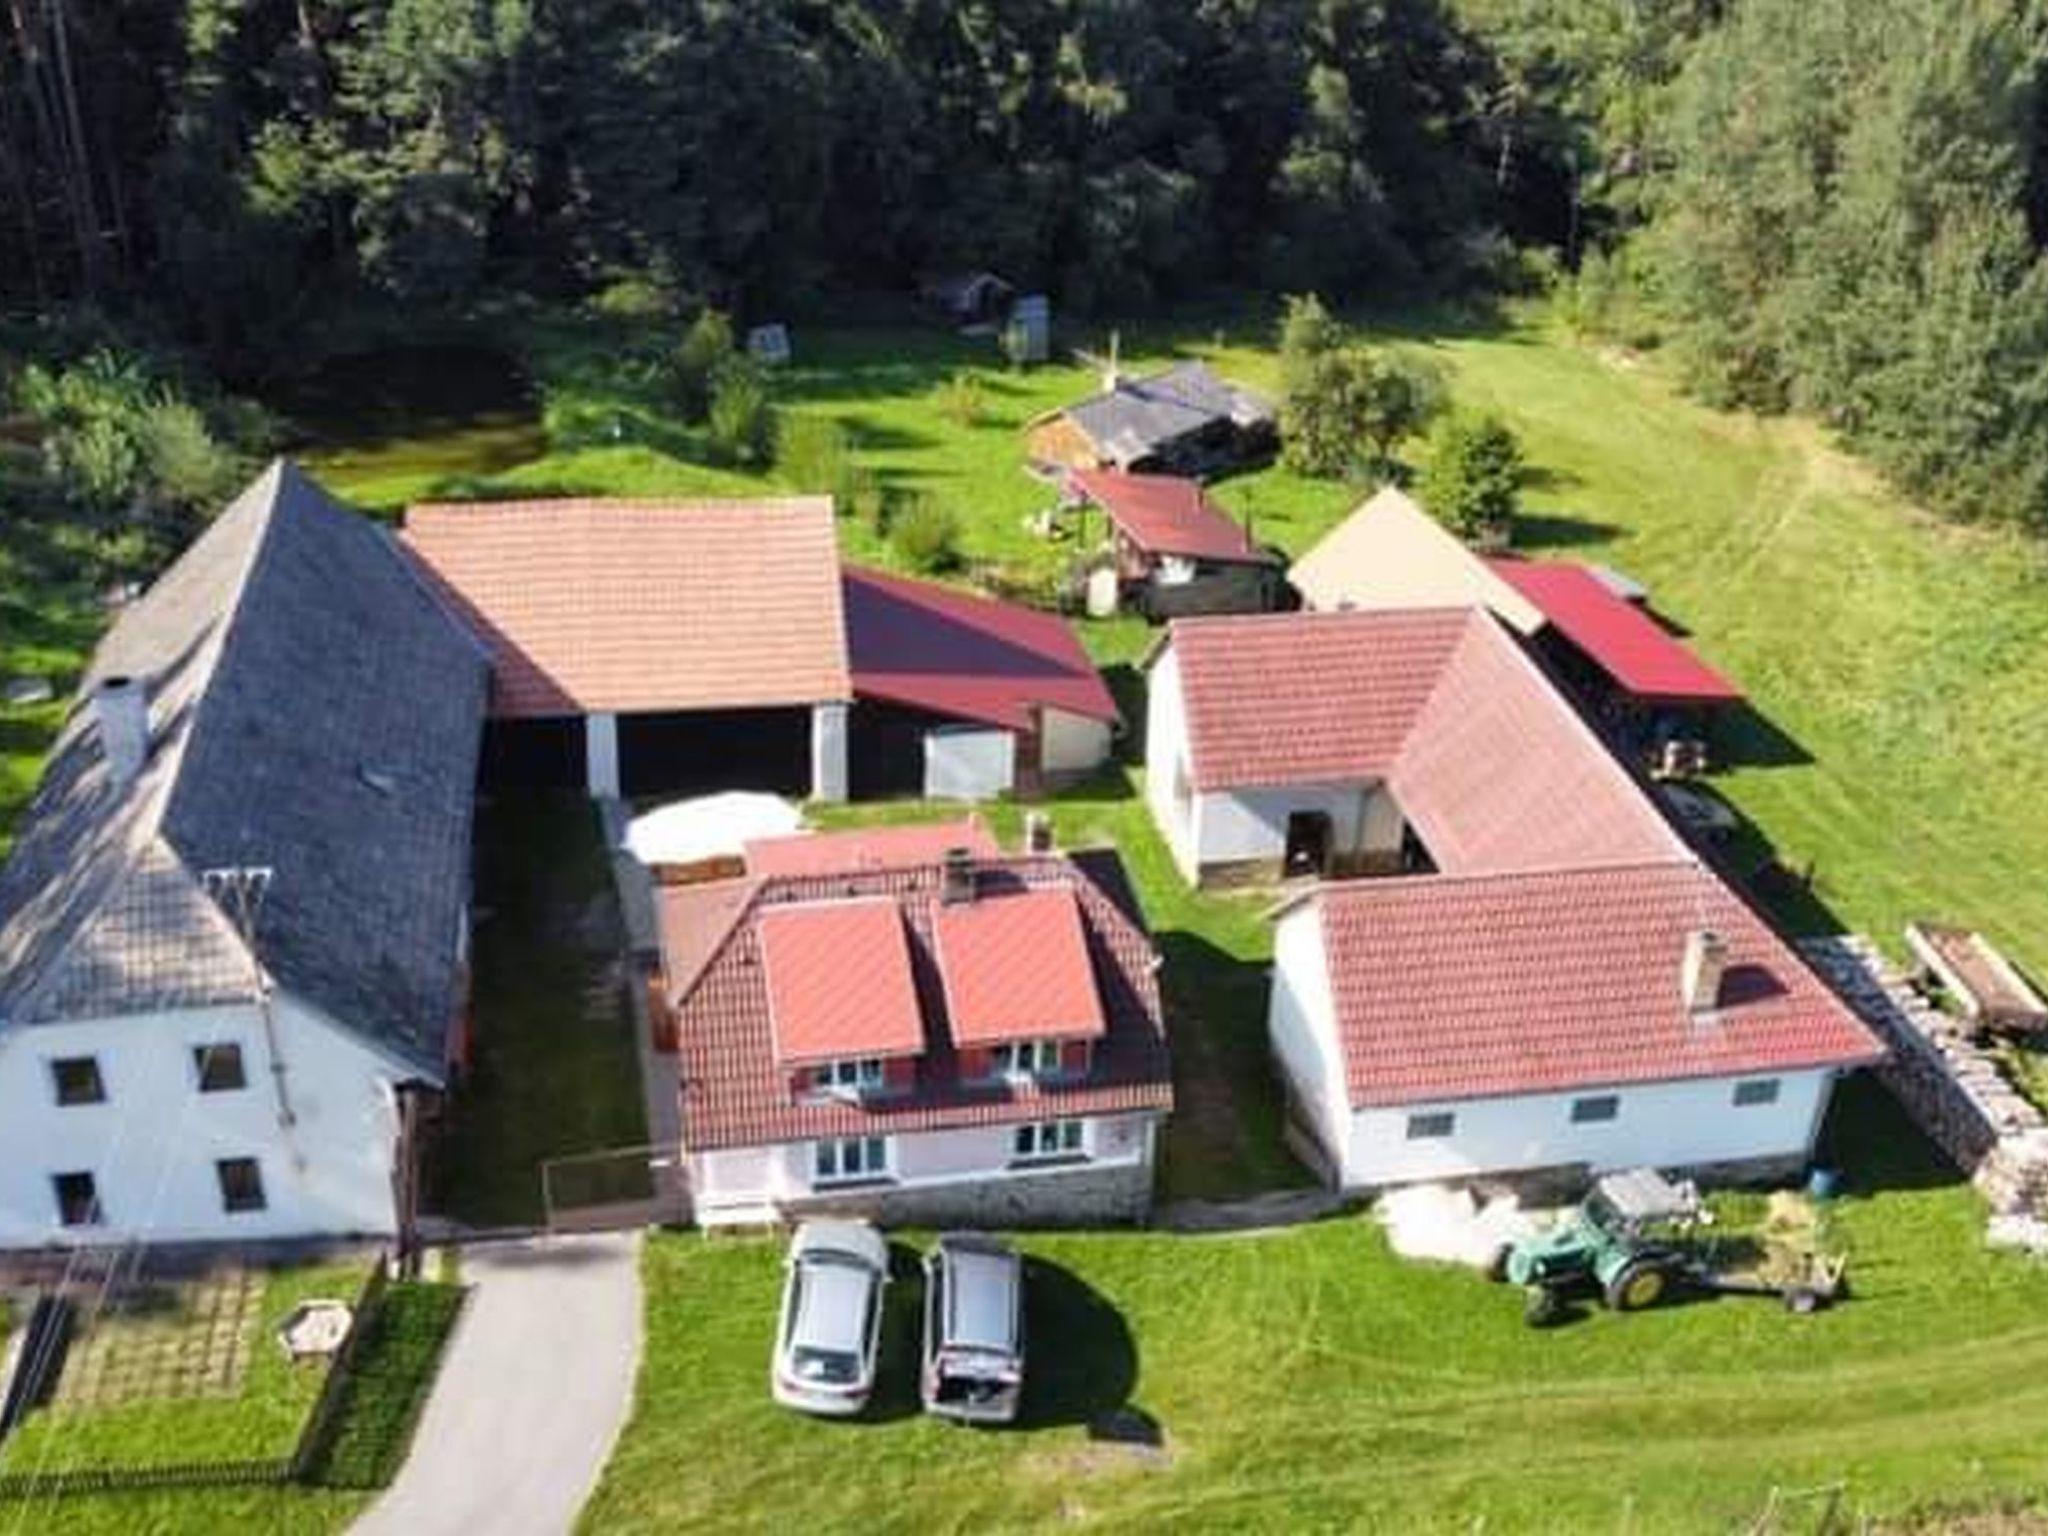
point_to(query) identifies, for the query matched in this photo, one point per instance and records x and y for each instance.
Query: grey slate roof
(1139, 416)
(292, 656)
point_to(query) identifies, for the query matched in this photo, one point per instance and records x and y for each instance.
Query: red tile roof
(1493, 768)
(838, 981)
(1166, 515)
(935, 648)
(1626, 643)
(1455, 987)
(1307, 698)
(1499, 772)
(1015, 967)
(644, 605)
(860, 848)
(735, 1094)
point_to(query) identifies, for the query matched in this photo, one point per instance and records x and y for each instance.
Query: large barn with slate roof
(234, 928)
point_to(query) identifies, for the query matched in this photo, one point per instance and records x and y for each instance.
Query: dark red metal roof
(936, 648)
(1622, 640)
(1167, 515)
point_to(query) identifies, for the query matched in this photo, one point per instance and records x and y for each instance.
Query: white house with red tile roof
(1536, 971)
(970, 1038)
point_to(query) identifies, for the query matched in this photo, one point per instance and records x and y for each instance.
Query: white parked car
(831, 1317)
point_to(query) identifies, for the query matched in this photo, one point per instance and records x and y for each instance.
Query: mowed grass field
(1307, 1380)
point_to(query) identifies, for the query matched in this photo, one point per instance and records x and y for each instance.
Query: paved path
(535, 1387)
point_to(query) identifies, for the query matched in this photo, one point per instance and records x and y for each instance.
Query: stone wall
(1951, 1086)
(1086, 1195)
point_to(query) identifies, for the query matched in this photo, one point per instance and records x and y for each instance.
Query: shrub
(814, 454)
(864, 500)
(925, 534)
(705, 351)
(1473, 480)
(741, 422)
(634, 298)
(962, 400)
(1343, 407)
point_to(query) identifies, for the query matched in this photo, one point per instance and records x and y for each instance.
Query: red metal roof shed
(1622, 640)
(1167, 515)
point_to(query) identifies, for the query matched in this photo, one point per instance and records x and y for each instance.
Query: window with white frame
(1048, 1138)
(1755, 1092)
(849, 1077)
(1596, 1108)
(1433, 1125)
(1026, 1058)
(851, 1157)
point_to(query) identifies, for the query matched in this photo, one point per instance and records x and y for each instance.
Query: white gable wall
(1169, 778)
(1301, 1024)
(152, 1145)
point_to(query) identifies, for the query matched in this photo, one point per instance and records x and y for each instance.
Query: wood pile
(1954, 1089)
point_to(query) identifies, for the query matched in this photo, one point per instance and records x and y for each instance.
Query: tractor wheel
(1542, 1307)
(1638, 1284)
(1497, 1263)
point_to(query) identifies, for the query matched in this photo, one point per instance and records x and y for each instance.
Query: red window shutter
(1076, 1056)
(899, 1074)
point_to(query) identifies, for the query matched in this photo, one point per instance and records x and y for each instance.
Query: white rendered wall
(1071, 743)
(601, 755)
(1660, 1125)
(1301, 1027)
(969, 762)
(828, 751)
(740, 1183)
(1232, 826)
(151, 1147)
(1166, 762)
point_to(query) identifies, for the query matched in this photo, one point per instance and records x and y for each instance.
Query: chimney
(1111, 374)
(1706, 958)
(1037, 832)
(121, 706)
(956, 887)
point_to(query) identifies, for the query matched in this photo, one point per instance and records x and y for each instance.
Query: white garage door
(968, 762)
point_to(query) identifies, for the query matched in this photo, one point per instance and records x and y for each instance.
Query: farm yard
(1304, 1377)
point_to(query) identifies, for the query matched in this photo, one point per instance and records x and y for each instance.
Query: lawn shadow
(1560, 530)
(895, 1397)
(1081, 1360)
(1743, 735)
(1873, 1144)
(1127, 689)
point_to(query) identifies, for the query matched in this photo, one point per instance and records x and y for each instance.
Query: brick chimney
(1037, 832)
(1706, 959)
(120, 705)
(956, 885)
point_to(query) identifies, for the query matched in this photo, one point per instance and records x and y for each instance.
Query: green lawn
(555, 1069)
(1307, 1380)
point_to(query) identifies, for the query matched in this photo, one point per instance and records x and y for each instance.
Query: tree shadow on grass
(1560, 530)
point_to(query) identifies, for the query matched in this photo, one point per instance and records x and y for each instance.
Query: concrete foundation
(1082, 1196)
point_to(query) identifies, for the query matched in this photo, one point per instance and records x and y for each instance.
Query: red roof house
(1176, 551)
(953, 1040)
(1537, 970)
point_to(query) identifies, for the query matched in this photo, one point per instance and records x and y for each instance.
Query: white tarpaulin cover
(709, 827)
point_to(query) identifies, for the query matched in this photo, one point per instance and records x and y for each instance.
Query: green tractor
(1629, 1241)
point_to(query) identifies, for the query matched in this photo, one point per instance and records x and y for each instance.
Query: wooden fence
(275, 1471)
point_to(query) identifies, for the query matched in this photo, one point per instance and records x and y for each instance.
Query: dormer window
(849, 1078)
(1025, 1058)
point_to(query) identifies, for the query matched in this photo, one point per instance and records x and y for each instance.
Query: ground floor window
(78, 1199)
(852, 1157)
(1048, 1138)
(241, 1184)
(1756, 1091)
(1600, 1106)
(1432, 1126)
